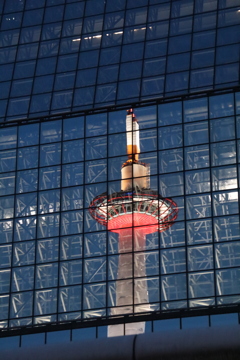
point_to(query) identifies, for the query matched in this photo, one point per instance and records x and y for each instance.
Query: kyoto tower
(133, 213)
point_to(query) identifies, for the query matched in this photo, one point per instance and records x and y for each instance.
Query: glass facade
(69, 70)
(66, 55)
(59, 263)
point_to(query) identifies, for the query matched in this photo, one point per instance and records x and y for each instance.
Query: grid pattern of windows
(57, 263)
(63, 55)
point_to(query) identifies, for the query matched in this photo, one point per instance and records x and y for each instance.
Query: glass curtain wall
(59, 56)
(57, 263)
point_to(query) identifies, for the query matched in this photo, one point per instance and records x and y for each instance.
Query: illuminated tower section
(133, 212)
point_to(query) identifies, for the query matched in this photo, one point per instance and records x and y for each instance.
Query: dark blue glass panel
(227, 73)
(195, 110)
(106, 94)
(200, 78)
(132, 52)
(181, 26)
(21, 87)
(64, 81)
(170, 137)
(4, 89)
(169, 114)
(114, 21)
(27, 181)
(51, 131)
(205, 5)
(53, 14)
(72, 174)
(30, 34)
(8, 38)
(154, 67)
(107, 74)
(24, 69)
(70, 46)
(136, 3)
(40, 103)
(3, 106)
(51, 31)
(228, 17)
(110, 56)
(55, 2)
(130, 70)
(7, 55)
(94, 7)
(43, 84)
(228, 35)
(18, 106)
(112, 38)
(67, 62)
(33, 17)
(155, 48)
(86, 77)
(179, 44)
(73, 151)
(134, 34)
(227, 54)
(62, 99)
(128, 89)
(88, 59)
(6, 72)
(115, 6)
(11, 21)
(28, 158)
(13, 5)
(50, 154)
(83, 96)
(73, 128)
(7, 160)
(46, 66)
(159, 12)
(27, 52)
(178, 62)
(72, 28)
(48, 48)
(205, 21)
(32, 4)
(28, 135)
(203, 58)
(176, 82)
(221, 105)
(203, 40)
(49, 177)
(136, 16)
(92, 24)
(116, 121)
(151, 86)
(182, 8)
(74, 10)
(157, 30)
(7, 184)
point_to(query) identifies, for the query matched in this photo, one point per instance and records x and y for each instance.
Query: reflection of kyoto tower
(133, 212)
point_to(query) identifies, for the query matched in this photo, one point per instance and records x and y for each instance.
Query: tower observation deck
(133, 212)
